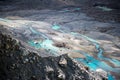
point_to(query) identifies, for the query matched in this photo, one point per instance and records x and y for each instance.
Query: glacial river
(89, 60)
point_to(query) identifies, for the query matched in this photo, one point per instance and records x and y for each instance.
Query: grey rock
(61, 75)
(49, 69)
(63, 62)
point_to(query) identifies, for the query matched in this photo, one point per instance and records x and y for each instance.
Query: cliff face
(18, 63)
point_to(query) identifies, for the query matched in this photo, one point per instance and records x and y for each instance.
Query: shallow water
(55, 27)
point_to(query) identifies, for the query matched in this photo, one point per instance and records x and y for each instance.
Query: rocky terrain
(19, 63)
(60, 40)
(93, 8)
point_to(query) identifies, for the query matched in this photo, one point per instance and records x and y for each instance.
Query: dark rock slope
(18, 63)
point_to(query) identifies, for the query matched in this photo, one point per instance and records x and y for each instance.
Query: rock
(26, 60)
(49, 69)
(33, 78)
(102, 73)
(63, 62)
(61, 75)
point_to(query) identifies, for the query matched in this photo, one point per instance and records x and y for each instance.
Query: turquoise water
(100, 50)
(104, 8)
(55, 27)
(93, 63)
(74, 9)
(5, 20)
(110, 77)
(46, 44)
(37, 46)
(77, 9)
(58, 28)
(100, 53)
